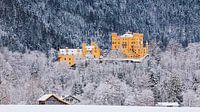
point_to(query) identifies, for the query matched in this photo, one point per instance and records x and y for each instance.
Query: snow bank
(92, 108)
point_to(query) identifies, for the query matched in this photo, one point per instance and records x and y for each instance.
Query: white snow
(71, 52)
(74, 52)
(126, 35)
(89, 56)
(2, 33)
(89, 48)
(44, 97)
(127, 59)
(92, 108)
(165, 104)
(63, 51)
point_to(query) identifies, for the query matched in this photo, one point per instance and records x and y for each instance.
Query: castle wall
(70, 55)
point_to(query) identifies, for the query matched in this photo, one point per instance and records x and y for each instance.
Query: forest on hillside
(170, 75)
(32, 31)
(45, 24)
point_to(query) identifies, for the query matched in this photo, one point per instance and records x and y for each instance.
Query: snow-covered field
(92, 108)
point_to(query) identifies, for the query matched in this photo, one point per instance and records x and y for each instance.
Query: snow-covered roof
(71, 52)
(167, 104)
(89, 48)
(92, 108)
(70, 96)
(62, 51)
(45, 97)
(74, 52)
(127, 35)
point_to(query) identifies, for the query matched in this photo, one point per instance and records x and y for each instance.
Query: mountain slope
(45, 24)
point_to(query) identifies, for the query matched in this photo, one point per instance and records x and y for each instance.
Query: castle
(130, 44)
(72, 55)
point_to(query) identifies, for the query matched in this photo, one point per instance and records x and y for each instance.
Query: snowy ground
(93, 108)
(127, 59)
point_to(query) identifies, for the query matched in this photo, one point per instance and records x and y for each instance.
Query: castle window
(64, 58)
(69, 58)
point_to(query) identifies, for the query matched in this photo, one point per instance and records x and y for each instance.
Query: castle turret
(147, 45)
(114, 35)
(93, 44)
(84, 49)
(114, 41)
(66, 49)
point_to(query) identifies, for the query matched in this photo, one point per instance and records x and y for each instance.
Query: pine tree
(174, 90)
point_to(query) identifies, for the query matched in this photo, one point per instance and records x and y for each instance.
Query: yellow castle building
(72, 55)
(130, 44)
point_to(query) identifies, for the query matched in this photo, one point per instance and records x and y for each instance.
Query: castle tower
(84, 50)
(147, 48)
(114, 41)
(147, 45)
(130, 44)
(67, 50)
(95, 50)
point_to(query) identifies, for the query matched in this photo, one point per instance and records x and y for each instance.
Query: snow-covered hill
(170, 76)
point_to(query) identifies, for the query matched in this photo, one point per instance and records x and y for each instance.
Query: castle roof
(89, 48)
(71, 51)
(130, 34)
(126, 35)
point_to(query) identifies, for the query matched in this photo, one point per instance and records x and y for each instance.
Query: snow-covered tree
(190, 98)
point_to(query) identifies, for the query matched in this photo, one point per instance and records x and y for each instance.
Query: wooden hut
(51, 99)
(71, 99)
